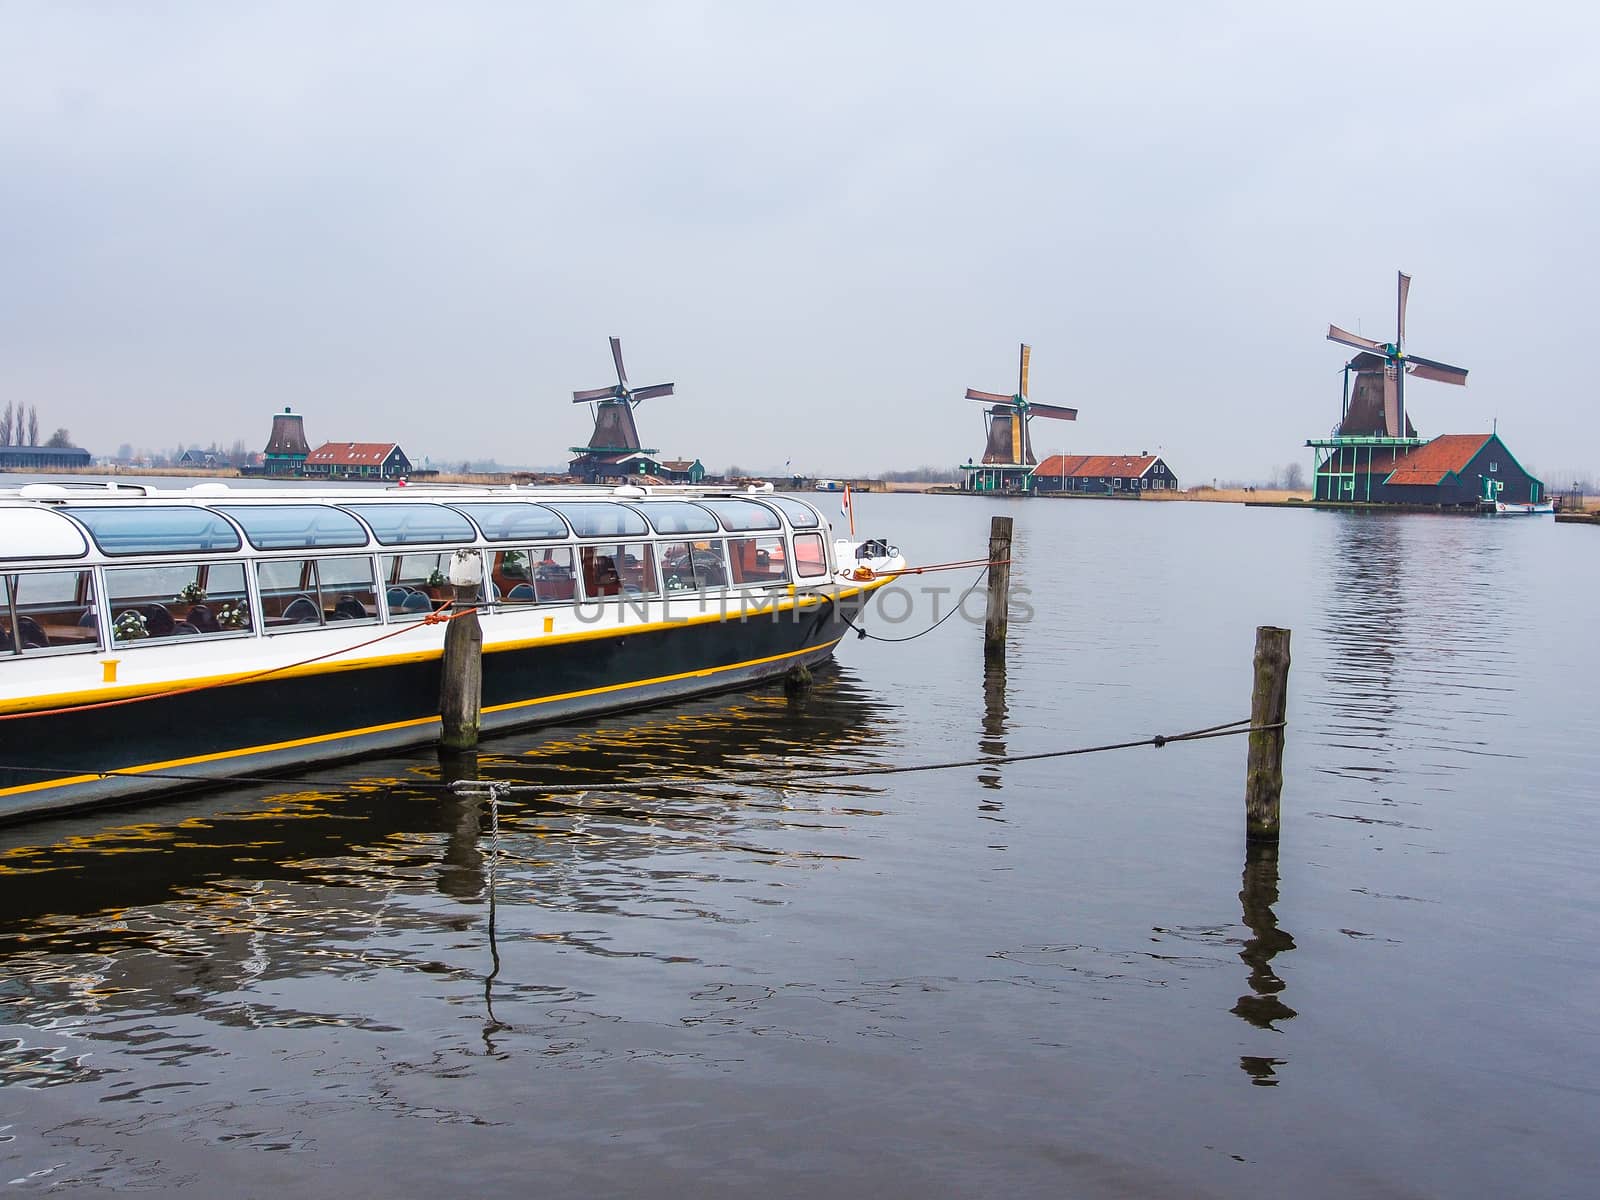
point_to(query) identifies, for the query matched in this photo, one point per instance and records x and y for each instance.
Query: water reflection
(993, 740)
(214, 905)
(1363, 622)
(461, 872)
(1264, 1005)
(1417, 658)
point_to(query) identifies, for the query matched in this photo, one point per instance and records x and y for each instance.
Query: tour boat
(153, 639)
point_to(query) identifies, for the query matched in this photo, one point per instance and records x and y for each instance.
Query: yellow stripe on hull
(416, 723)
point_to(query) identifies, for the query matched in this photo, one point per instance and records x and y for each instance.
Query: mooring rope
(477, 786)
(862, 633)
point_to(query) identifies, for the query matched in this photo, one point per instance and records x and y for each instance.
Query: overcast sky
(420, 222)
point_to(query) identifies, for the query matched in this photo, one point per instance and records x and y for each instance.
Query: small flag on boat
(846, 509)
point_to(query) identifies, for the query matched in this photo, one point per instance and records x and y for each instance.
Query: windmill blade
(593, 394)
(1053, 411)
(616, 357)
(1400, 319)
(1391, 401)
(655, 389)
(1022, 371)
(1335, 334)
(990, 397)
(1426, 368)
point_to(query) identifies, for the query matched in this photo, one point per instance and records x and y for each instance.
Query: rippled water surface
(1058, 977)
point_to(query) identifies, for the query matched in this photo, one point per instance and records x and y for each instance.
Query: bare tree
(1294, 479)
(33, 425)
(60, 439)
(7, 420)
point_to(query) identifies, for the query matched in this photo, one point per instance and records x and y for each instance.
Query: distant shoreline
(503, 478)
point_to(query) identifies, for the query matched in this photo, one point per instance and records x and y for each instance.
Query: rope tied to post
(865, 573)
(499, 788)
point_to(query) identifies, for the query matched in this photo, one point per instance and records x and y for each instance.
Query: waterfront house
(42, 458)
(1104, 474)
(357, 460)
(1454, 470)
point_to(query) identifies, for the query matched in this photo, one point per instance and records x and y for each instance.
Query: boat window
(514, 522)
(297, 526)
(742, 514)
(801, 515)
(43, 612)
(34, 533)
(674, 516)
(810, 558)
(694, 566)
(155, 529)
(415, 584)
(757, 560)
(176, 600)
(595, 519)
(405, 524)
(541, 575)
(309, 593)
(620, 569)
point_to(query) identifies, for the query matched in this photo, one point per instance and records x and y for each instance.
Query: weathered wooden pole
(1263, 778)
(461, 670)
(994, 621)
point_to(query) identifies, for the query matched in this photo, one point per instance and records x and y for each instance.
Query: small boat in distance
(829, 485)
(152, 640)
(1504, 509)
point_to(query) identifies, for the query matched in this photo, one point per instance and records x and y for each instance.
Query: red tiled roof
(1449, 453)
(1096, 466)
(351, 454)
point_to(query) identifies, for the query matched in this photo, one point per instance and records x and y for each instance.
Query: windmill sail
(1009, 416)
(1376, 404)
(614, 447)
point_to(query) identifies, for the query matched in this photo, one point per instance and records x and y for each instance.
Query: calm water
(1054, 978)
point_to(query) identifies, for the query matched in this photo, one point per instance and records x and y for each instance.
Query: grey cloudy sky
(420, 222)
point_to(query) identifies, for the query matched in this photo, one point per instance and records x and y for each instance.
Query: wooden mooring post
(461, 669)
(1269, 701)
(994, 621)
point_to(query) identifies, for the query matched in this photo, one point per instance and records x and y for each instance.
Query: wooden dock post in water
(994, 621)
(461, 669)
(1263, 778)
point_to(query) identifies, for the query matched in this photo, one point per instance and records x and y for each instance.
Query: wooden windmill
(1008, 453)
(614, 447)
(1377, 406)
(1374, 434)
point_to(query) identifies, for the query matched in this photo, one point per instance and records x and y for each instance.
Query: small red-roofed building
(1130, 475)
(356, 460)
(1454, 470)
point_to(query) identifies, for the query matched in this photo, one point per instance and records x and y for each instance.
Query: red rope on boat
(866, 573)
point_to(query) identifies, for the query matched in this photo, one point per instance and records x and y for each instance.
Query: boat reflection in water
(185, 904)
